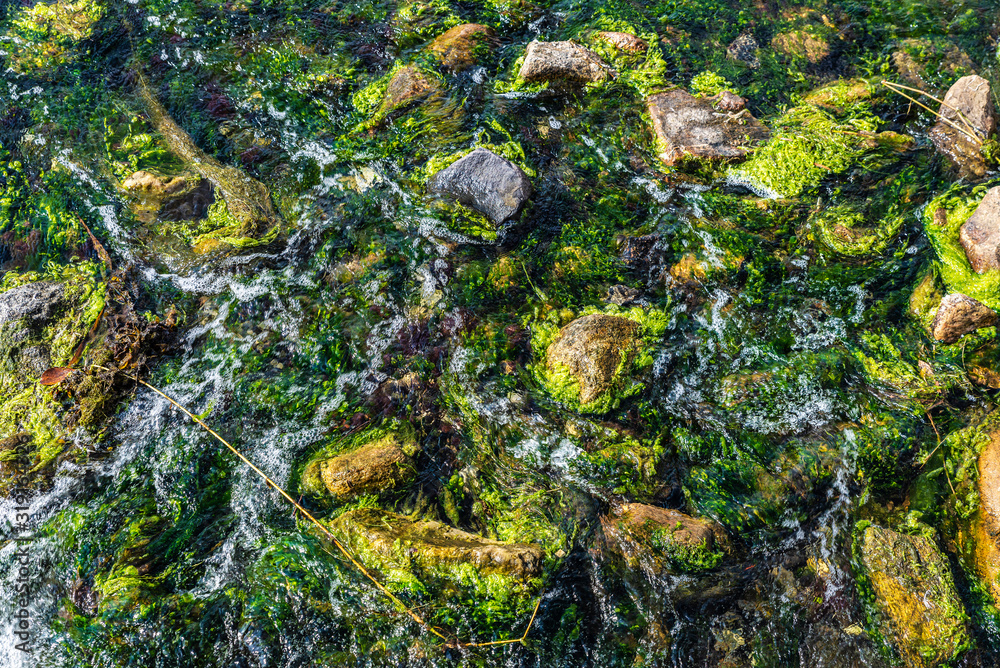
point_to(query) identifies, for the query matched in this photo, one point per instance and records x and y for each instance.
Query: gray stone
(959, 315)
(486, 182)
(37, 302)
(980, 235)
(689, 126)
(379, 466)
(968, 118)
(744, 49)
(563, 62)
(592, 348)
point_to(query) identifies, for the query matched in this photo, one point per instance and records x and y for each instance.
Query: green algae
(943, 217)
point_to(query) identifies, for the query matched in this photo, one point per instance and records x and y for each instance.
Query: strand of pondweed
(340, 546)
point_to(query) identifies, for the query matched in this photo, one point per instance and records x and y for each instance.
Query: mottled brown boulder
(801, 44)
(379, 466)
(689, 126)
(968, 118)
(563, 63)
(406, 87)
(492, 185)
(456, 48)
(959, 315)
(914, 590)
(745, 50)
(389, 541)
(623, 41)
(593, 348)
(185, 197)
(980, 235)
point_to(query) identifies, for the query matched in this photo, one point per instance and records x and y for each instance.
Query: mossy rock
(662, 540)
(986, 523)
(913, 588)
(373, 462)
(931, 63)
(463, 46)
(47, 33)
(429, 549)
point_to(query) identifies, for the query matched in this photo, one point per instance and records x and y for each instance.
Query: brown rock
(185, 197)
(744, 49)
(689, 126)
(563, 62)
(799, 43)
(456, 48)
(980, 235)
(389, 540)
(683, 529)
(623, 41)
(987, 529)
(407, 86)
(592, 348)
(376, 467)
(968, 119)
(658, 539)
(959, 315)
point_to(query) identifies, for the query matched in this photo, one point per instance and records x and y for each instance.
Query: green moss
(711, 83)
(46, 33)
(843, 230)
(952, 209)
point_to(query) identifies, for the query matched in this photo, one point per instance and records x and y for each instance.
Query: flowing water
(782, 399)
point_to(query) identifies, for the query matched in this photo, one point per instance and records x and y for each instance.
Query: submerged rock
(689, 126)
(456, 48)
(184, 197)
(380, 465)
(593, 351)
(407, 86)
(913, 588)
(920, 60)
(980, 234)
(801, 44)
(662, 539)
(495, 187)
(36, 303)
(24, 312)
(745, 49)
(390, 541)
(563, 62)
(959, 315)
(968, 118)
(623, 41)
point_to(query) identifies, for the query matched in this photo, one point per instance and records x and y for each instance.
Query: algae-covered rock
(802, 44)
(563, 62)
(980, 234)
(179, 197)
(623, 41)
(458, 49)
(745, 49)
(923, 61)
(386, 540)
(377, 462)
(968, 118)
(407, 86)
(594, 350)
(686, 126)
(959, 315)
(987, 524)
(492, 185)
(659, 539)
(913, 588)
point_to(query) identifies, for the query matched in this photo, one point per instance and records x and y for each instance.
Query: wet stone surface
(488, 183)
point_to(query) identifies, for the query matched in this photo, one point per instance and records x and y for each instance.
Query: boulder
(379, 466)
(456, 48)
(689, 126)
(563, 62)
(407, 86)
(623, 41)
(801, 44)
(492, 185)
(729, 101)
(592, 350)
(913, 588)
(980, 235)
(390, 541)
(959, 315)
(968, 118)
(921, 60)
(185, 197)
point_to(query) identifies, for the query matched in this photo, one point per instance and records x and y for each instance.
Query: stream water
(782, 396)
